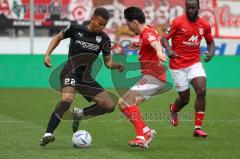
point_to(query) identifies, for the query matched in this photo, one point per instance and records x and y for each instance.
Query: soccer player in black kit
(87, 41)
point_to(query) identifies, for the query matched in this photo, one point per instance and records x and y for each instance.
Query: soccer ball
(81, 139)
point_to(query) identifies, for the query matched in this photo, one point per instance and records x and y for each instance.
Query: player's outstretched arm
(156, 45)
(211, 50)
(53, 44)
(109, 63)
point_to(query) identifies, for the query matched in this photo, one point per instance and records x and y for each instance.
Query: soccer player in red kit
(153, 75)
(186, 68)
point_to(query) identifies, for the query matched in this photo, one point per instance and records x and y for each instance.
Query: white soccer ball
(81, 139)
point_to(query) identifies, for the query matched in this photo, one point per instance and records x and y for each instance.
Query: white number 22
(70, 81)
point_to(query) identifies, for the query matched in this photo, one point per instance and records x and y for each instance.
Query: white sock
(197, 127)
(79, 112)
(47, 134)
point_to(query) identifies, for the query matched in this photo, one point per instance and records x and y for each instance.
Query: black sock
(56, 116)
(95, 110)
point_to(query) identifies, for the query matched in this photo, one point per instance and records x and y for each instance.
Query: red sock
(199, 116)
(133, 114)
(174, 108)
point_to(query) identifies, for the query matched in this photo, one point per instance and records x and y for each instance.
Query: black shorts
(83, 83)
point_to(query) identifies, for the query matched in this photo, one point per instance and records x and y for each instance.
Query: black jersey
(84, 41)
(85, 46)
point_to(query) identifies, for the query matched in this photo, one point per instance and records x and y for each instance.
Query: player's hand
(134, 46)
(120, 67)
(47, 61)
(162, 57)
(208, 56)
(172, 54)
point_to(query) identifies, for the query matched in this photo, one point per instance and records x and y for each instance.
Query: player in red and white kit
(153, 75)
(186, 68)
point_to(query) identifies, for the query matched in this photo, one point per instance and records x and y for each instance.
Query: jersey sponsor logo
(193, 38)
(98, 39)
(201, 31)
(193, 41)
(88, 45)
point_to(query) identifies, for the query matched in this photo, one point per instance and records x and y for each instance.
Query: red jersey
(186, 38)
(150, 64)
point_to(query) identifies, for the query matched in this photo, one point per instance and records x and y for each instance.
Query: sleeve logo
(151, 38)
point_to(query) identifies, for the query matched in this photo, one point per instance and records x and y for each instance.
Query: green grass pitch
(24, 114)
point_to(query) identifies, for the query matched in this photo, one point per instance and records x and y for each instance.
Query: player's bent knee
(111, 109)
(108, 108)
(139, 100)
(68, 98)
(107, 104)
(121, 104)
(201, 92)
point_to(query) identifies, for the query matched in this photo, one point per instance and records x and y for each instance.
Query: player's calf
(77, 116)
(173, 115)
(89, 112)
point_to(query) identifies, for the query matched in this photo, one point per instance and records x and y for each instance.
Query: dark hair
(134, 13)
(102, 12)
(197, 3)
